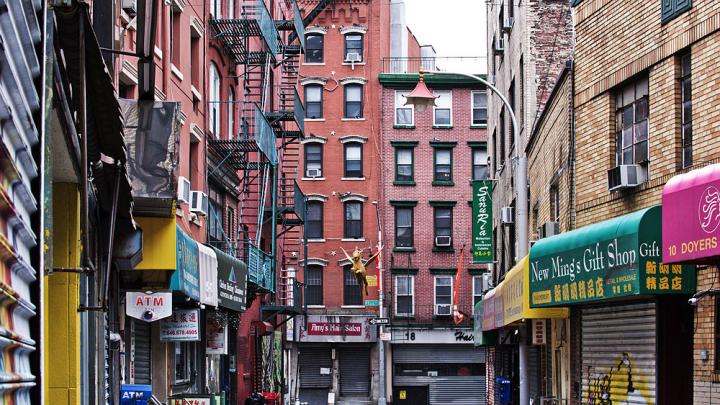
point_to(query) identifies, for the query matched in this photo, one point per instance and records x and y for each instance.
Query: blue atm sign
(135, 394)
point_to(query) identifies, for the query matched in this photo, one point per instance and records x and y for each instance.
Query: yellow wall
(62, 299)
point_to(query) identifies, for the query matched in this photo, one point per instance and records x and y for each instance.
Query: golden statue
(358, 266)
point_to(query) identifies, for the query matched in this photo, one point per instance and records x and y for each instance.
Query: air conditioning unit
(548, 229)
(625, 176)
(499, 45)
(183, 193)
(313, 173)
(443, 241)
(130, 7)
(353, 57)
(443, 309)
(486, 281)
(508, 24)
(507, 215)
(199, 203)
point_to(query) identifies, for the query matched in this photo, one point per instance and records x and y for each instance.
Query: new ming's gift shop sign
(617, 258)
(691, 217)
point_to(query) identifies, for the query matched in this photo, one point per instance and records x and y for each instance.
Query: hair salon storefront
(635, 333)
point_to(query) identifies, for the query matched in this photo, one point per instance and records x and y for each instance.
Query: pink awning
(691, 217)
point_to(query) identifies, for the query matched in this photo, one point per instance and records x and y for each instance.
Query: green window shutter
(673, 8)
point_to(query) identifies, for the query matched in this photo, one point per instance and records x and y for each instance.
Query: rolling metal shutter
(310, 361)
(614, 338)
(445, 390)
(355, 371)
(534, 371)
(142, 349)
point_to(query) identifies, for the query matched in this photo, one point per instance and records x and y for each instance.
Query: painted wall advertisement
(182, 326)
(337, 329)
(691, 216)
(482, 236)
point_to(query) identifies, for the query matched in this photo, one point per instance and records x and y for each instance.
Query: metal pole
(521, 215)
(382, 397)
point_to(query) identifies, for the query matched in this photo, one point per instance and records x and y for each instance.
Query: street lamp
(422, 98)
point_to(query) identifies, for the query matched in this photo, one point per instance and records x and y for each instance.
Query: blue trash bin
(504, 390)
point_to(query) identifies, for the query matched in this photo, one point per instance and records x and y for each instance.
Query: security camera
(148, 315)
(693, 301)
(698, 295)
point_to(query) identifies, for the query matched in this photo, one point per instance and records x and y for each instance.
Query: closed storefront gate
(354, 371)
(454, 374)
(141, 354)
(315, 368)
(619, 354)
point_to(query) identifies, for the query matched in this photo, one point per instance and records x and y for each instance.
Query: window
(521, 106)
(313, 101)
(214, 101)
(230, 225)
(443, 295)
(673, 8)
(686, 110)
(479, 163)
(313, 160)
(194, 59)
(353, 160)
(182, 359)
(479, 108)
(314, 282)
(353, 47)
(443, 109)
(511, 96)
(404, 164)
(353, 220)
(314, 220)
(404, 227)
(215, 6)
(717, 333)
(404, 114)
(478, 287)
(215, 217)
(631, 120)
(352, 292)
(502, 136)
(314, 48)
(554, 203)
(231, 114)
(443, 165)
(175, 36)
(231, 8)
(404, 290)
(353, 101)
(443, 226)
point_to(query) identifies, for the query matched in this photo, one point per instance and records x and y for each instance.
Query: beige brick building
(633, 60)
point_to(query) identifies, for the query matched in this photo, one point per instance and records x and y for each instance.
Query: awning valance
(691, 217)
(492, 310)
(516, 297)
(615, 258)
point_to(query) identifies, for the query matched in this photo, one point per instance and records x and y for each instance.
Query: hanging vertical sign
(539, 332)
(482, 236)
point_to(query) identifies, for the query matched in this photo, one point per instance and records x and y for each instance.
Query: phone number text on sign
(182, 326)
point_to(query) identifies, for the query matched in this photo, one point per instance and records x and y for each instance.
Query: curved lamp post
(422, 98)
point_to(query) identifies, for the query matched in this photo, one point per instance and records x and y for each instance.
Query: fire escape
(266, 156)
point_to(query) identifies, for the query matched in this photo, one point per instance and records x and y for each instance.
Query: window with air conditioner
(443, 295)
(443, 227)
(354, 48)
(183, 190)
(313, 160)
(199, 203)
(631, 135)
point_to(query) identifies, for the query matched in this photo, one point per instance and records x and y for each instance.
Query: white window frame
(475, 292)
(435, 295)
(440, 94)
(216, 9)
(472, 107)
(231, 8)
(412, 295)
(213, 101)
(231, 114)
(399, 97)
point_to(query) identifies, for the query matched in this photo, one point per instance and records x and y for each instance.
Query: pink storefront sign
(691, 217)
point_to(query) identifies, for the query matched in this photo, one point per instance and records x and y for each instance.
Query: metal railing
(261, 269)
(298, 22)
(470, 64)
(265, 136)
(300, 203)
(267, 27)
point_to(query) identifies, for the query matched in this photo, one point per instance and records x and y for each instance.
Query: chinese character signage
(691, 216)
(182, 326)
(482, 236)
(615, 258)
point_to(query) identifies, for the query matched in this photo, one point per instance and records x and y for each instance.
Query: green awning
(615, 258)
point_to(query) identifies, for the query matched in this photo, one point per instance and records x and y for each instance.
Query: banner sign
(433, 336)
(216, 333)
(482, 222)
(148, 306)
(231, 281)
(187, 273)
(321, 328)
(539, 332)
(182, 326)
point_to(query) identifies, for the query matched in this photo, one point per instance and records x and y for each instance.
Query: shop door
(355, 372)
(619, 355)
(141, 349)
(411, 395)
(315, 368)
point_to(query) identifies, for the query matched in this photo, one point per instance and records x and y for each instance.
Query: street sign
(379, 321)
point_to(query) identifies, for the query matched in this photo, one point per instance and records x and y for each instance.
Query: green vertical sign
(482, 237)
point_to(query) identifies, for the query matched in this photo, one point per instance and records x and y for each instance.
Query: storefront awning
(616, 258)
(231, 281)
(691, 217)
(492, 310)
(516, 297)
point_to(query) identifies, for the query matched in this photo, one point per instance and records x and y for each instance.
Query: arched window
(214, 100)
(231, 113)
